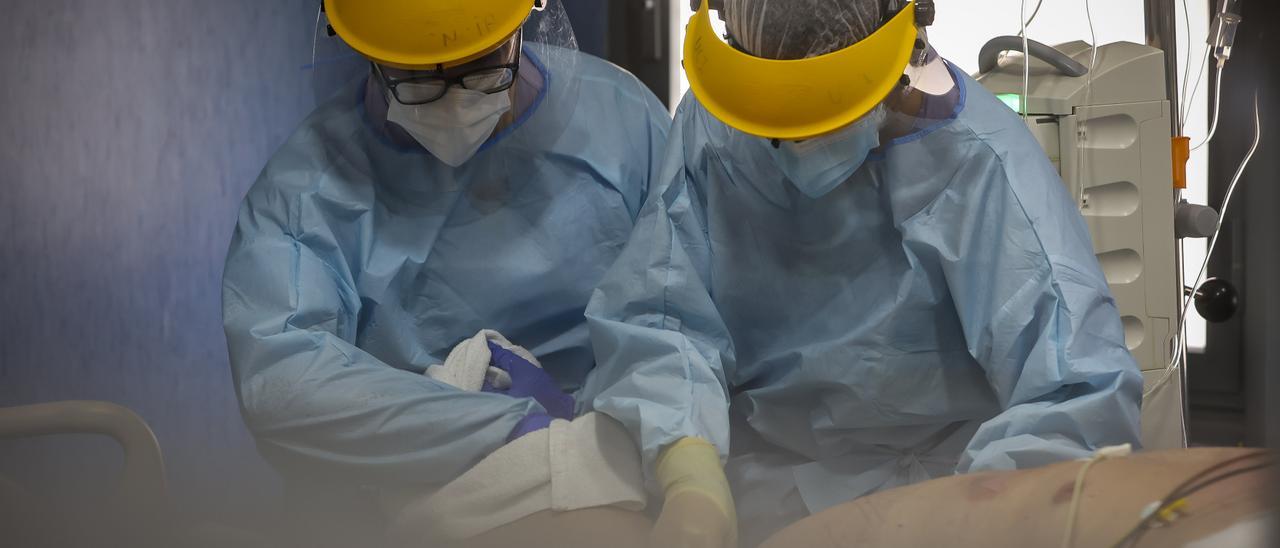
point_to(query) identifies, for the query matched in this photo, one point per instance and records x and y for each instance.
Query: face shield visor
(427, 34)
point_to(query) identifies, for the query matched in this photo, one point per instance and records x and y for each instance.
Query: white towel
(585, 463)
(467, 366)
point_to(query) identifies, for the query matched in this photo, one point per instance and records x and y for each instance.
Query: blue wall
(131, 130)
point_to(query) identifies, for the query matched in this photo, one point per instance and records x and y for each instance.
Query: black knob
(1217, 300)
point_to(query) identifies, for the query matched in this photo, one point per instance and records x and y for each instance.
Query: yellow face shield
(424, 34)
(796, 99)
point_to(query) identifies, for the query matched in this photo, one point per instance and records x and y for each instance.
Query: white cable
(1088, 100)
(1023, 30)
(1093, 57)
(1186, 71)
(1114, 451)
(1226, 203)
(1034, 13)
(1188, 103)
(1217, 108)
(1026, 60)
(1213, 243)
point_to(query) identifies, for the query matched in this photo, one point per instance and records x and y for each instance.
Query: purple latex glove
(530, 381)
(531, 423)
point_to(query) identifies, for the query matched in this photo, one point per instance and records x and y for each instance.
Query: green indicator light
(1013, 100)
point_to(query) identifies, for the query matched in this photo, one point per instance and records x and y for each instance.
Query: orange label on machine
(1181, 154)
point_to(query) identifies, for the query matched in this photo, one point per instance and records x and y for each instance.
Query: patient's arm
(1029, 507)
(588, 528)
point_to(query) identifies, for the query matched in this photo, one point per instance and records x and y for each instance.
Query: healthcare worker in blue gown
(481, 177)
(856, 271)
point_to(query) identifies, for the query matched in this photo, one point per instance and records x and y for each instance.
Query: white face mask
(455, 127)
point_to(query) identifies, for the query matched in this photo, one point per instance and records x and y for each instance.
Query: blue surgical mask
(817, 166)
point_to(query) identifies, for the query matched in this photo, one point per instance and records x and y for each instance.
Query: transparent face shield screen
(334, 65)
(928, 77)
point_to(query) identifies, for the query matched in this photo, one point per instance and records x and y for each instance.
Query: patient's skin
(1029, 507)
(589, 528)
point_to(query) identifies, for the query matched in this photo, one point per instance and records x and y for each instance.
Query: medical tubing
(1186, 69)
(1220, 478)
(1213, 243)
(1032, 19)
(1189, 487)
(1023, 31)
(1132, 536)
(1217, 108)
(1081, 131)
(1195, 88)
(1181, 487)
(1186, 304)
(1102, 454)
(1026, 60)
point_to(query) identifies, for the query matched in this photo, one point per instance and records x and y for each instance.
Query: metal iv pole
(1162, 33)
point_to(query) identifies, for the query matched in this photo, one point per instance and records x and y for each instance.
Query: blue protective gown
(357, 263)
(940, 311)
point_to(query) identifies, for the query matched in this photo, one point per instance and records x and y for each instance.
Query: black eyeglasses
(431, 87)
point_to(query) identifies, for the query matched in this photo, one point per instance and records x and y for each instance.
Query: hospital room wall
(131, 130)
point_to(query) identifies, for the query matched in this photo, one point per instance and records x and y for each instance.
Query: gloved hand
(530, 381)
(531, 423)
(697, 511)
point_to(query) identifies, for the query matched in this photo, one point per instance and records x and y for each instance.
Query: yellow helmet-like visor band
(424, 34)
(796, 99)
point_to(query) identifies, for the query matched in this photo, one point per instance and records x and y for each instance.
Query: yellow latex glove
(697, 511)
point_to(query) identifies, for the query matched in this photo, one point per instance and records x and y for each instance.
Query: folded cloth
(468, 364)
(585, 463)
